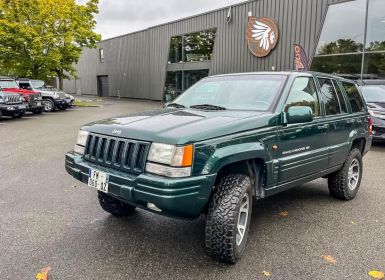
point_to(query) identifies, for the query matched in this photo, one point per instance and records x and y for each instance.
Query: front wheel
(228, 218)
(345, 183)
(114, 206)
(49, 105)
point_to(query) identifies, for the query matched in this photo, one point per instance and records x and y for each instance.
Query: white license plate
(98, 180)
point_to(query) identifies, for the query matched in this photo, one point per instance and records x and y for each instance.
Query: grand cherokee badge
(262, 35)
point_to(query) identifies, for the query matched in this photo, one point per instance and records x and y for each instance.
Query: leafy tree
(44, 38)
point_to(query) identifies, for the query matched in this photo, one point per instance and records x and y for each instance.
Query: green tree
(44, 38)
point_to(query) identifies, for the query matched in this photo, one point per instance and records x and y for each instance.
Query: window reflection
(179, 81)
(374, 65)
(175, 54)
(199, 46)
(343, 30)
(376, 26)
(338, 64)
(193, 47)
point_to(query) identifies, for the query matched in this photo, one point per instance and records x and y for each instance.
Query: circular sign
(262, 35)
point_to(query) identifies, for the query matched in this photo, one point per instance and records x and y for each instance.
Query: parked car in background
(69, 97)
(226, 141)
(375, 99)
(32, 98)
(53, 98)
(12, 104)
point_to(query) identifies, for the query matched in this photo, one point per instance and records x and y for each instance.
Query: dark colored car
(12, 104)
(32, 98)
(53, 98)
(375, 99)
(224, 143)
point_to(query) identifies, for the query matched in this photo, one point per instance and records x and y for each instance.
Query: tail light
(371, 123)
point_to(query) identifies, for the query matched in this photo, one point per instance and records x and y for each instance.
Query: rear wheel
(345, 183)
(228, 218)
(114, 206)
(49, 105)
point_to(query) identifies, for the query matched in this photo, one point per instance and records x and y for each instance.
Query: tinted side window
(341, 98)
(354, 97)
(24, 85)
(304, 93)
(329, 97)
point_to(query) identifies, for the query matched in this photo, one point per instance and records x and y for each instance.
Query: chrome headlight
(81, 142)
(56, 95)
(170, 160)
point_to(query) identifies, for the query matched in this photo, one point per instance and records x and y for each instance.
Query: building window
(179, 81)
(193, 47)
(341, 46)
(343, 30)
(376, 26)
(101, 55)
(341, 42)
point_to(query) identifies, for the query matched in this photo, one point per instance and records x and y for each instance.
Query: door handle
(325, 126)
(350, 121)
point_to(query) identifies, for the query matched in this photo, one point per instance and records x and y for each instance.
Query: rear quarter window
(354, 96)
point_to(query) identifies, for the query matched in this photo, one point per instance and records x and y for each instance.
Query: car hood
(376, 106)
(173, 126)
(20, 91)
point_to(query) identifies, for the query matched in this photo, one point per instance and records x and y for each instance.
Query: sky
(118, 17)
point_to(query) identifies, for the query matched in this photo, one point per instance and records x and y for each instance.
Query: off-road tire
(38, 111)
(52, 106)
(222, 218)
(114, 206)
(338, 182)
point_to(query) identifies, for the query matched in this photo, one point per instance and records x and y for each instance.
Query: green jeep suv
(226, 142)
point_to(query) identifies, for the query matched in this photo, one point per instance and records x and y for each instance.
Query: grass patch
(86, 103)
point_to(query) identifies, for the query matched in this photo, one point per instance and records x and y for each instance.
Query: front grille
(117, 153)
(12, 99)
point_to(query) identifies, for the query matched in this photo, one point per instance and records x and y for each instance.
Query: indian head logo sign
(262, 35)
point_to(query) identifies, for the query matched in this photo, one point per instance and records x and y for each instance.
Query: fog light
(152, 206)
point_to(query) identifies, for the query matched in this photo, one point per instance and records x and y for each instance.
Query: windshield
(8, 84)
(38, 84)
(374, 93)
(243, 92)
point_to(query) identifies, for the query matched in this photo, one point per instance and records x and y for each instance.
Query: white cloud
(117, 17)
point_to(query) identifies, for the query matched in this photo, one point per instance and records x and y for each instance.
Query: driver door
(302, 148)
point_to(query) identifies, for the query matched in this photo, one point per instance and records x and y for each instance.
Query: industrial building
(346, 37)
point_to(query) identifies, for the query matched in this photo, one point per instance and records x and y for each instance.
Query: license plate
(38, 104)
(98, 180)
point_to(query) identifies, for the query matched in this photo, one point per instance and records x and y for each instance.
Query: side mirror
(299, 114)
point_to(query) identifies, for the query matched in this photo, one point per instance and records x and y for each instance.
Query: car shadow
(145, 238)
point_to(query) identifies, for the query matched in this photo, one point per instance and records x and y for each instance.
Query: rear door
(337, 118)
(302, 147)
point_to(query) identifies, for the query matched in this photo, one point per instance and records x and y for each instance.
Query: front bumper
(35, 105)
(60, 102)
(12, 108)
(184, 198)
(378, 133)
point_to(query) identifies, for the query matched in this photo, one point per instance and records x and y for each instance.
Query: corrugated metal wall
(136, 63)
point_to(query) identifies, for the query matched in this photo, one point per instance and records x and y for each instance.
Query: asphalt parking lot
(50, 220)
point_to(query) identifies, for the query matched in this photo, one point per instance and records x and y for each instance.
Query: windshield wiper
(208, 107)
(176, 105)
